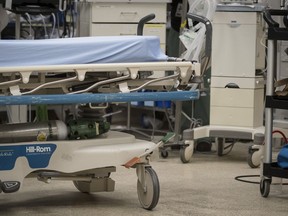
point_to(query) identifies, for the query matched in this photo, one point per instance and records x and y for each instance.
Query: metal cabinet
(237, 92)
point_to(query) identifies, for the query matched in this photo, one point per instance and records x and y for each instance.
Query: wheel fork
(140, 170)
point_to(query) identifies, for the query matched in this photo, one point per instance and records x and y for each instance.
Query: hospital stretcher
(81, 71)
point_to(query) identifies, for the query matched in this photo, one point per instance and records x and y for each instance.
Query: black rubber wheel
(250, 159)
(186, 154)
(265, 187)
(203, 145)
(79, 186)
(164, 153)
(149, 198)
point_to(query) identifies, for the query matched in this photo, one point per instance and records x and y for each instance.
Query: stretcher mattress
(82, 50)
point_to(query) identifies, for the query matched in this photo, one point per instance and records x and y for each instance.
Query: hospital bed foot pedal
(95, 185)
(10, 186)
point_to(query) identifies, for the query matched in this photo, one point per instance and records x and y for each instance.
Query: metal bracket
(140, 171)
(62, 5)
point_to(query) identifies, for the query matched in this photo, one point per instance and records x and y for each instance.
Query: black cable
(238, 178)
(206, 152)
(58, 24)
(64, 33)
(231, 145)
(72, 19)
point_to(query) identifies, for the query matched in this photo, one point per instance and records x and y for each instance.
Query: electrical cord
(54, 24)
(72, 20)
(30, 27)
(239, 178)
(58, 25)
(64, 34)
(44, 26)
(231, 145)
(24, 31)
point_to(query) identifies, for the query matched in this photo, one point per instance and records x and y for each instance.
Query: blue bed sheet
(81, 50)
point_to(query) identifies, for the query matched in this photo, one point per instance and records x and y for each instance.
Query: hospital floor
(205, 186)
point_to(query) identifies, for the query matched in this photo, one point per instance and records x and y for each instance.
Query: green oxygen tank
(86, 129)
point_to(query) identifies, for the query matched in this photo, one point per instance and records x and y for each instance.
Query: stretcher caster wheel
(186, 153)
(253, 158)
(164, 153)
(80, 186)
(265, 187)
(148, 194)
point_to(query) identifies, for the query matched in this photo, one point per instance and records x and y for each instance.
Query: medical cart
(237, 82)
(275, 33)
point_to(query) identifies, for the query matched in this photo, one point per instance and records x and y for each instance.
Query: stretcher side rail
(81, 73)
(99, 98)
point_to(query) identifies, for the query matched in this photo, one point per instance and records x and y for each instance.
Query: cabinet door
(227, 97)
(235, 44)
(233, 118)
(237, 107)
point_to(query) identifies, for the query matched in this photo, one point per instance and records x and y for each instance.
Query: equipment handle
(143, 21)
(208, 25)
(267, 15)
(62, 5)
(231, 85)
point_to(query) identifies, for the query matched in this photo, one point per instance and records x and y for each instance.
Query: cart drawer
(241, 82)
(227, 97)
(128, 29)
(235, 18)
(234, 116)
(127, 12)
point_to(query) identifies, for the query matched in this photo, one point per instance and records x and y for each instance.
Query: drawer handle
(234, 24)
(231, 85)
(128, 13)
(121, 34)
(62, 5)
